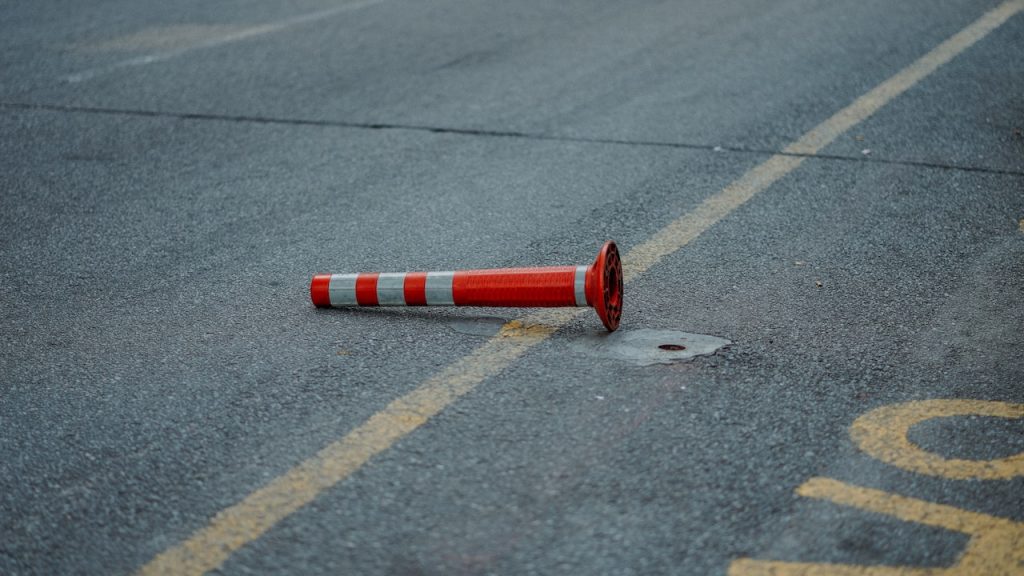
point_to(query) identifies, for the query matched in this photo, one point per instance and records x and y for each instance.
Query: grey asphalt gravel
(160, 359)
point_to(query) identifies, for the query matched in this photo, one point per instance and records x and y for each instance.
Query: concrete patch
(646, 347)
(479, 326)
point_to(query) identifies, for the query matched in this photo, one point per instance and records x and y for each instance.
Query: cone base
(604, 286)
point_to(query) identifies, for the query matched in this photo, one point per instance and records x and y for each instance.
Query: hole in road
(672, 347)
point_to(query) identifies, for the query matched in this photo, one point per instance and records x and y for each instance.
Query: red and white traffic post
(598, 285)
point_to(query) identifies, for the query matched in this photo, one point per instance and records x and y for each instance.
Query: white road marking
(243, 34)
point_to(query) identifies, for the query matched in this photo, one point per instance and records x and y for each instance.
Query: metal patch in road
(646, 347)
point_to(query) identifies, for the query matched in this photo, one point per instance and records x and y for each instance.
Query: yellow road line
(883, 434)
(994, 547)
(902, 507)
(242, 523)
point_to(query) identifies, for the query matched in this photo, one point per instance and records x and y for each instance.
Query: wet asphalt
(160, 359)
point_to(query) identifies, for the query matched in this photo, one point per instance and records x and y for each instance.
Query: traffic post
(598, 286)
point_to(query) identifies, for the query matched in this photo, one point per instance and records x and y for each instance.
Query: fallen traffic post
(598, 286)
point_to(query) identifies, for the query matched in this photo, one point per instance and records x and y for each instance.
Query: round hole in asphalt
(672, 347)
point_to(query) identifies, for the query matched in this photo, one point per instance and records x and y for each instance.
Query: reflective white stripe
(580, 285)
(391, 289)
(439, 289)
(343, 290)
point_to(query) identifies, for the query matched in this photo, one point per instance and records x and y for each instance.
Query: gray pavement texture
(160, 359)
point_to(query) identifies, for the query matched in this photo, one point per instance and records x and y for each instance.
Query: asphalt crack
(242, 118)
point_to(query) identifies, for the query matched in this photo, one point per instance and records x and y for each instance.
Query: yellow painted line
(242, 523)
(233, 527)
(902, 507)
(996, 545)
(680, 232)
(882, 434)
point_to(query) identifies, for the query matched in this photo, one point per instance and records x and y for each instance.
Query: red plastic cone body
(598, 285)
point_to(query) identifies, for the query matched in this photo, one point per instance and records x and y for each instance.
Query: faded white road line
(243, 34)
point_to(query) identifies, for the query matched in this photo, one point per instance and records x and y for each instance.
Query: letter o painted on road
(882, 434)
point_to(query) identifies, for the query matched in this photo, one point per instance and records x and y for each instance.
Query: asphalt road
(172, 175)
